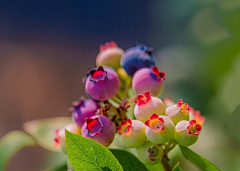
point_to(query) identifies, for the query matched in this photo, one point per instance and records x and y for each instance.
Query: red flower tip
(184, 106)
(94, 126)
(196, 115)
(56, 139)
(155, 122)
(154, 116)
(193, 127)
(143, 99)
(107, 45)
(125, 127)
(160, 75)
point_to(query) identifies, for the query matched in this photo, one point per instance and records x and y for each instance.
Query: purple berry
(83, 109)
(136, 58)
(102, 83)
(148, 79)
(99, 128)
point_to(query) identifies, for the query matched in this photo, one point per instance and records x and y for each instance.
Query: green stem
(165, 163)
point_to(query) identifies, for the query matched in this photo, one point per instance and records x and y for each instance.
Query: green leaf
(128, 161)
(197, 160)
(86, 154)
(176, 168)
(11, 143)
(43, 130)
(62, 167)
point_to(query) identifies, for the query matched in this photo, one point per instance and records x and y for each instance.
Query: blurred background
(47, 47)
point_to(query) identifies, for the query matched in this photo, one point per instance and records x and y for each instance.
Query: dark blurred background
(47, 47)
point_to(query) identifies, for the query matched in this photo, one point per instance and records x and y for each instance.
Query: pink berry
(99, 128)
(148, 79)
(102, 83)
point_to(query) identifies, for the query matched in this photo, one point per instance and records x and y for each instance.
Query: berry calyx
(196, 115)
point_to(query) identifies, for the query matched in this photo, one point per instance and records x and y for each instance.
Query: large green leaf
(86, 154)
(176, 168)
(128, 161)
(197, 160)
(43, 130)
(11, 143)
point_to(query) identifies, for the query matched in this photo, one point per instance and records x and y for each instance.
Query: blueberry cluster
(157, 122)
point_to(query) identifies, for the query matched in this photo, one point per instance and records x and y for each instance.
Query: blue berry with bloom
(148, 79)
(102, 83)
(136, 58)
(99, 128)
(82, 109)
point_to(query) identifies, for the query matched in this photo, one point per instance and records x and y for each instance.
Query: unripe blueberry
(178, 111)
(148, 79)
(186, 132)
(99, 128)
(109, 55)
(196, 115)
(160, 129)
(146, 105)
(102, 83)
(60, 134)
(82, 109)
(132, 133)
(150, 153)
(136, 58)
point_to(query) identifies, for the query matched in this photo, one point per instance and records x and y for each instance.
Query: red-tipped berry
(160, 129)
(186, 132)
(102, 83)
(178, 111)
(100, 129)
(132, 133)
(146, 105)
(196, 115)
(110, 55)
(150, 153)
(148, 79)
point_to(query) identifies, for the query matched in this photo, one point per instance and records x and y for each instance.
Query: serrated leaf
(86, 154)
(128, 161)
(177, 168)
(197, 160)
(11, 143)
(43, 130)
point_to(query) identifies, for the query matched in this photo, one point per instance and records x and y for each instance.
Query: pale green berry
(178, 111)
(109, 55)
(159, 129)
(132, 133)
(150, 153)
(186, 132)
(146, 105)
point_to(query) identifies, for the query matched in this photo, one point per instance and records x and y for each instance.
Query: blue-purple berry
(99, 128)
(136, 58)
(83, 109)
(102, 83)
